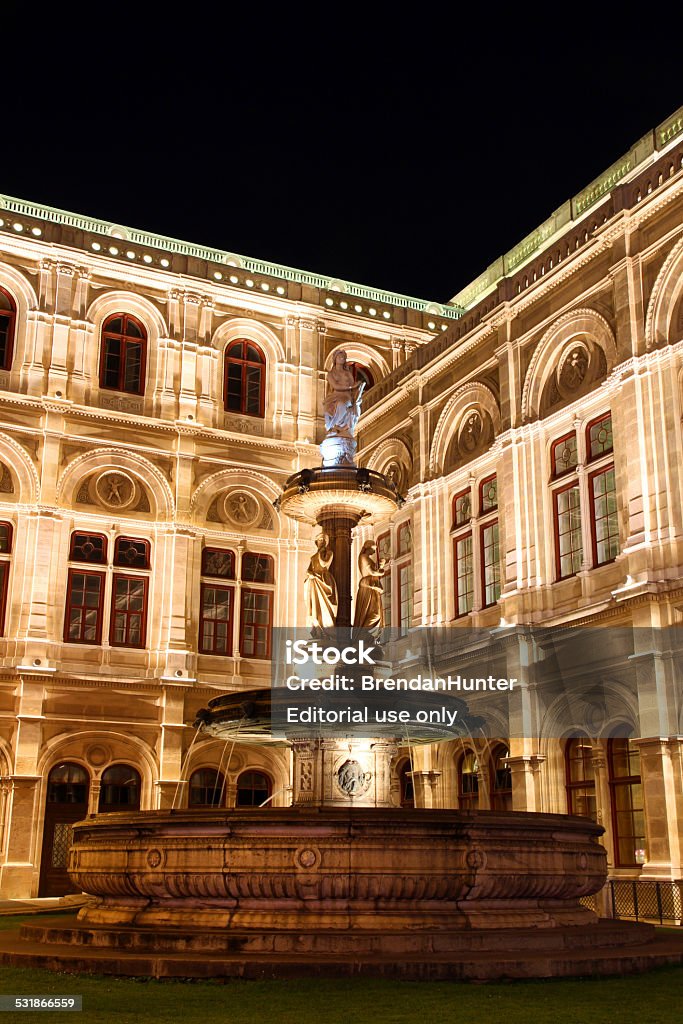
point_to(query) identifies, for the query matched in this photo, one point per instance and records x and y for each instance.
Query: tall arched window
(206, 788)
(119, 789)
(253, 789)
(468, 782)
(123, 354)
(501, 780)
(580, 777)
(405, 776)
(628, 818)
(244, 388)
(8, 316)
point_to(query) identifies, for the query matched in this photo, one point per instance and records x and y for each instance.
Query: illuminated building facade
(154, 397)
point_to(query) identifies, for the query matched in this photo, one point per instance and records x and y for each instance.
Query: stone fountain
(341, 881)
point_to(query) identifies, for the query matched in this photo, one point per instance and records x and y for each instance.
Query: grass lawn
(654, 998)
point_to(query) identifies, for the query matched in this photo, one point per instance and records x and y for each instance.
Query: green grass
(654, 998)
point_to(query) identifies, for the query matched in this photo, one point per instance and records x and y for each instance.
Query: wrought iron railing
(640, 901)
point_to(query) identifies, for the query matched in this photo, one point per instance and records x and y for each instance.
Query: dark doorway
(67, 802)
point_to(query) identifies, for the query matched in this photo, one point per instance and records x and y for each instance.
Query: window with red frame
(564, 455)
(128, 611)
(219, 563)
(5, 555)
(84, 604)
(87, 591)
(215, 619)
(490, 563)
(599, 438)
(257, 568)
(468, 782)
(580, 777)
(488, 495)
(244, 379)
(604, 516)
(628, 816)
(462, 508)
(8, 317)
(123, 354)
(464, 574)
(568, 538)
(256, 623)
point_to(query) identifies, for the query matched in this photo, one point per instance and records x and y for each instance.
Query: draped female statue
(342, 402)
(369, 612)
(320, 588)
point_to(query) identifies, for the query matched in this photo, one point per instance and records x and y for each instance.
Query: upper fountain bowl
(363, 492)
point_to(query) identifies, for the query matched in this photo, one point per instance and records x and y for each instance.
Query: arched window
(119, 789)
(406, 782)
(253, 789)
(244, 389)
(6, 532)
(206, 788)
(580, 777)
(8, 316)
(123, 354)
(68, 784)
(468, 782)
(501, 780)
(628, 818)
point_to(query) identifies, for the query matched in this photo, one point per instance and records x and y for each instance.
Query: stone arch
(149, 476)
(119, 301)
(116, 748)
(552, 349)
(260, 485)
(357, 352)
(19, 463)
(593, 708)
(665, 300)
(244, 327)
(393, 451)
(474, 395)
(26, 302)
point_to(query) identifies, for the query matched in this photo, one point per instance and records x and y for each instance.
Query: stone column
(424, 788)
(338, 525)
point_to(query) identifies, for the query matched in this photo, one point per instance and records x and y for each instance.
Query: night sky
(407, 154)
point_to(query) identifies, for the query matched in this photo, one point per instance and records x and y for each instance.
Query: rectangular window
(111, 363)
(132, 367)
(215, 619)
(464, 575)
(257, 568)
(83, 620)
(405, 589)
(4, 580)
(405, 539)
(384, 546)
(604, 520)
(233, 387)
(386, 597)
(256, 622)
(568, 543)
(128, 611)
(131, 554)
(490, 564)
(218, 562)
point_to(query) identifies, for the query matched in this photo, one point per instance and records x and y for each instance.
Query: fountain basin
(333, 869)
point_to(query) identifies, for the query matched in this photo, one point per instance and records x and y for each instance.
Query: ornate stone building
(154, 397)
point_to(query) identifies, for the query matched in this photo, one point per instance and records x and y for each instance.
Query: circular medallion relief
(307, 857)
(352, 779)
(241, 508)
(97, 755)
(154, 858)
(115, 489)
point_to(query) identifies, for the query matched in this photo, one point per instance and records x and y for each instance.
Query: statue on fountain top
(341, 407)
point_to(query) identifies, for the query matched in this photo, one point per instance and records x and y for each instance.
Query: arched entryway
(119, 789)
(66, 802)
